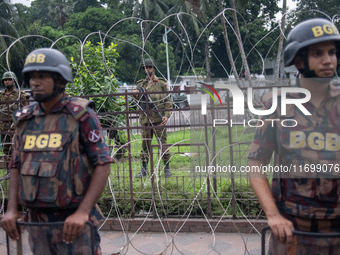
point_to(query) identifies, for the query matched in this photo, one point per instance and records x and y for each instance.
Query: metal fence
(197, 188)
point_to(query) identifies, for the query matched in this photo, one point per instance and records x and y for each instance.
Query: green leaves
(95, 74)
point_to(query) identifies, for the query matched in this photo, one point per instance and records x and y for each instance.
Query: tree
(82, 5)
(94, 75)
(307, 9)
(39, 12)
(227, 44)
(60, 10)
(192, 14)
(93, 20)
(279, 52)
(148, 9)
(9, 20)
(255, 20)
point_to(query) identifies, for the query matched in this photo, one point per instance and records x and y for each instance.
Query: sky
(24, 2)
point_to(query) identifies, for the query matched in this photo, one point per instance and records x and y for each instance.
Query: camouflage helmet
(50, 60)
(148, 62)
(9, 75)
(307, 33)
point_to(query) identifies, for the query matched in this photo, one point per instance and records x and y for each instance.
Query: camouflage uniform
(6, 111)
(56, 155)
(162, 101)
(301, 197)
(308, 245)
(311, 204)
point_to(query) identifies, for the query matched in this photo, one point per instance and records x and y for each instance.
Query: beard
(44, 98)
(10, 86)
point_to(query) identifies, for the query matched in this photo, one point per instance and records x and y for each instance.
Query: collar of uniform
(13, 91)
(56, 108)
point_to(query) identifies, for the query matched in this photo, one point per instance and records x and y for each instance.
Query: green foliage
(93, 20)
(95, 75)
(307, 9)
(130, 58)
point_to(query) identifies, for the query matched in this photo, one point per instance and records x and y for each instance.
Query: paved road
(151, 243)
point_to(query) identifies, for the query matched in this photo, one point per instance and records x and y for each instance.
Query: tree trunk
(240, 45)
(279, 52)
(227, 44)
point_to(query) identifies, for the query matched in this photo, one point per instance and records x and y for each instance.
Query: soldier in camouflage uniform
(154, 84)
(10, 82)
(300, 199)
(60, 162)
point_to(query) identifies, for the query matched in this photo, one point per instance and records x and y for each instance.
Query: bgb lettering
(43, 141)
(33, 58)
(315, 140)
(319, 31)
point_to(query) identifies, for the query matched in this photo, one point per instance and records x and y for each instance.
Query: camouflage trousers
(161, 135)
(48, 241)
(308, 245)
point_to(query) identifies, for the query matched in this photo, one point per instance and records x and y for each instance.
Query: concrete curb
(182, 225)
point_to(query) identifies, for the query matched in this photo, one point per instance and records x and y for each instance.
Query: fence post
(129, 157)
(207, 164)
(233, 198)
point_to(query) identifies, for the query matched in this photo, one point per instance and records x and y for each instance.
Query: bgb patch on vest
(48, 141)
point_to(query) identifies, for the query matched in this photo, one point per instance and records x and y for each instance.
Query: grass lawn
(175, 195)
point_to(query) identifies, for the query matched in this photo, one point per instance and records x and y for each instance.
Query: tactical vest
(54, 170)
(314, 143)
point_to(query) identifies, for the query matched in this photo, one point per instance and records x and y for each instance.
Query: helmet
(9, 75)
(46, 59)
(307, 33)
(148, 62)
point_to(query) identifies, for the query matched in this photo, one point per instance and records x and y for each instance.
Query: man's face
(41, 83)
(8, 82)
(149, 70)
(322, 59)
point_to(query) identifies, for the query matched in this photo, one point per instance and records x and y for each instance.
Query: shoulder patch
(77, 107)
(162, 79)
(24, 113)
(141, 80)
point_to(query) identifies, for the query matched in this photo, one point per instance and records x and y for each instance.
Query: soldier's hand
(164, 120)
(9, 224)
(135, 91)
(281, 228)
(73, 226)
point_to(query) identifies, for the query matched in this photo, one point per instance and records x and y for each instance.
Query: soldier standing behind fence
(11, 92)
(60, 161)
(162, 101)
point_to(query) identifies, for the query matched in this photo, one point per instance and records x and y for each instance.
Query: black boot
(167, 172)
(144, 171)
